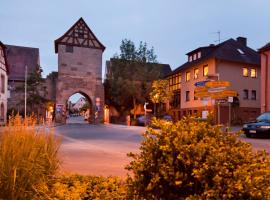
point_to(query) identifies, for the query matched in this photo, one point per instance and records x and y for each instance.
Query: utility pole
(25, 92)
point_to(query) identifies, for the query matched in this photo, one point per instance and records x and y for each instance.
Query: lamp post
(155, 103)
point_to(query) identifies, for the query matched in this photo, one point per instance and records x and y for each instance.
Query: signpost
(145, 111)
(216, 90)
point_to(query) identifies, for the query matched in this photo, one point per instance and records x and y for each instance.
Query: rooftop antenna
(218, 33)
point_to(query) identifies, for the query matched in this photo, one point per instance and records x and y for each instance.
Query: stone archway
(89, 112)
(79, 70)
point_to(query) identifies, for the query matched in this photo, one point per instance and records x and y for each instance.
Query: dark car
(260, 127)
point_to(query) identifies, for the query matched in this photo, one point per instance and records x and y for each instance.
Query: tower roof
(79, 35)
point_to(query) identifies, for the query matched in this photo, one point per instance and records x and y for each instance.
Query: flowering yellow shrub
(75, 187)
(28, 158)
(194, 160)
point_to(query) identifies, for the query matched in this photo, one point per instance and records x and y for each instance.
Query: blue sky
(172, 27)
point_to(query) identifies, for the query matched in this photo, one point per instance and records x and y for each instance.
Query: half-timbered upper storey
(79, 35)
(3, 58)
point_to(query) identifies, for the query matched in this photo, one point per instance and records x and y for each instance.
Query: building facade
(231, 60)
(79, 70)
(18, 58)
(265, 78)
(3, 84)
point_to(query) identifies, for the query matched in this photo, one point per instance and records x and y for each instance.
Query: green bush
(194, 160)
(86, 187)
(28, 159)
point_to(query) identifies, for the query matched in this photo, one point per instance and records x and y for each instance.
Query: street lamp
(155, 102)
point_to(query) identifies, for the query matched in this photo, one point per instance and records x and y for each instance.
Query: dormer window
(240, 51)
(190, 58)
(194, 56)
(199, 55)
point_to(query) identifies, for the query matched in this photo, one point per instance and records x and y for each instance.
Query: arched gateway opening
(80, 109)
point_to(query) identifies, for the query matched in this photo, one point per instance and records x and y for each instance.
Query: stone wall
(79, 72)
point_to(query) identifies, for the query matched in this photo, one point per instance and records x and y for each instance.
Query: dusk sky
(172, 27)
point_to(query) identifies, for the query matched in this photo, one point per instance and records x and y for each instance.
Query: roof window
(240, 51)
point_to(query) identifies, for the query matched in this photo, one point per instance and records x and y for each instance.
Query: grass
(28, 159)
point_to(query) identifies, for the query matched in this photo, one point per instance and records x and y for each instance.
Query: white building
(79, 104)
(3, 84)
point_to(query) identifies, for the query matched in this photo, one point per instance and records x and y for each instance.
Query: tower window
(69, 49)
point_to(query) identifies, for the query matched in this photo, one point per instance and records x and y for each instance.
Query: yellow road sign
(214, 84)
(217, 95)
(201, 89)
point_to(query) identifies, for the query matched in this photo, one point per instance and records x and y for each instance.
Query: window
(187, 76)
(196, 73)
(176, 99)
(253, 73)
(245, 94)
(187, 95)
(69, 49)
(2, 112)
(205, 70)
(199, 55)
(245, 72)
(174, 82)
(240, 51)
(3, 83)
(195, 98)
(190, 58)
(80, 34)
(194, 56)
(253, 95)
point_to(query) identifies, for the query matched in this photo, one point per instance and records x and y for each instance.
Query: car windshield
(264, 117)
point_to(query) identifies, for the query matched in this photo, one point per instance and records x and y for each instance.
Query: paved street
(102, 149)
(98, 149)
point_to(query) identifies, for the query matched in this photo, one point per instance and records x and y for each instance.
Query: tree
(36, 91)
(160, 92)
(133, 70)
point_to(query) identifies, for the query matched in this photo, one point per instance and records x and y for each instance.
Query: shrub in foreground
(86, 187)
(28, 159)
(194, 160)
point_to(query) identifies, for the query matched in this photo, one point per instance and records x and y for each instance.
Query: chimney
(242, 40)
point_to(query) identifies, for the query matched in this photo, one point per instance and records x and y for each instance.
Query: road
(98, 149)
(102, 149)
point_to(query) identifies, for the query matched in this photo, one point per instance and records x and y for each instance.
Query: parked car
(167, 118)
(259, 127)
(141, 120)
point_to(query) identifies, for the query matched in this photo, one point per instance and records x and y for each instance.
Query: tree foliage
(194, 160)
(36, 91)
(128, 83)
(160, 91)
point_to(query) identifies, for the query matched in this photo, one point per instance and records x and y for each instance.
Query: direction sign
(201, 89)
(200, 83)
(202, 94)
(214, 84)
(216, 89)
(221, 100)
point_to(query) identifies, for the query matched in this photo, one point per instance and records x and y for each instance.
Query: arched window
(2, 112)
